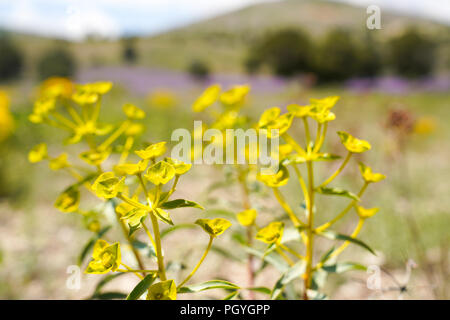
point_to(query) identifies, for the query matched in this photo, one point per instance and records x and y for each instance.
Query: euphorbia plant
(293, 155)
(138, 190)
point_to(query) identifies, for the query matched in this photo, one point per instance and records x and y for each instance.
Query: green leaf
(292, 273)
(337, 236)
(90, 244)
(232, 295)
(328, 157)
(163, 216)
(327, 255)
(208, 285)
(274, 260)
(141, 287)
(225, 253)
(263, 290)
(105, 280)
(337, 192)
(168, 231)
(180, 203)
(343, 267)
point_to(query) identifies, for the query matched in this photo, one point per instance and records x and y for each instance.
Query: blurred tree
(56, 62)
(129, 51)
(370, 63)
(11, 59)
(199, 70)
(337, 57)
(412, 54)
(287, 52)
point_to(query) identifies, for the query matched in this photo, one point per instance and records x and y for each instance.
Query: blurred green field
(37, 242)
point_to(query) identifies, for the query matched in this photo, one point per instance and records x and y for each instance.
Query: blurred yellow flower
(271, 119)
(179, 166)
(38, 153)
(271, 233)
(59, 162)
(234, 95)
(425, 125)
(133, 112)
(365, 213)
(6, 119)
(163, 98)
(247, 217)
(275, 180)
(368, 175)
(152, 151)
(68, 201)
(208, 97)
(56, 87)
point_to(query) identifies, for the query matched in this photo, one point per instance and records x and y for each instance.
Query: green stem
(199, 262)
(310, 233)
(343, 212)
(339, 170)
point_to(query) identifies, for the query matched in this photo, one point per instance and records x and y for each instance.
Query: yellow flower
(353, 144)
(271, 233)
(247, 217)
(130, 168)
(95, 157)
(325, 103)
(299, 111)
(179, 166)
(214, 227)
(68, 201)
(108, 185)
(163, 98)
(365, 213)
(152, 151)
(271, 120)
(134, 129)
(83, 97)
(100, 87)
(425, 126)
(56, 87)
(6, 119)
(368, 175)
(134, 217)
(59, 162)
(160, 173)
(207, 98)
(38, 153)
(234, 95)
(133, 112)
(164, 290)
(106, 258)
(275, 180)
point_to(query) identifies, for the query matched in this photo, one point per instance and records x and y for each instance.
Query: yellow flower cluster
(6, 119)
(136, 189)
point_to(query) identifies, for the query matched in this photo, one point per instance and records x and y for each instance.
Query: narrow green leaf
(141, 287)
(337, 236)
(337, 192)
(225, 253)
(327, 255)
(274, 260)
(263, 290)
(105, 280)
(169, 230)
(232, 295)
(292, 273)
(208, 285)
(343, 267)
(180, 203)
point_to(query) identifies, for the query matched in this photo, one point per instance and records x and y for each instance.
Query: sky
(74, 19)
